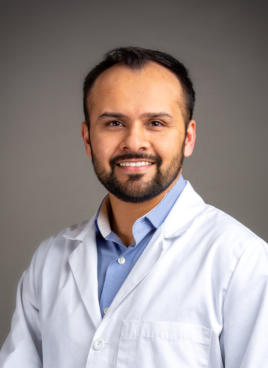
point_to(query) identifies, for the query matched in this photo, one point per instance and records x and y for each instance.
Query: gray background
(47, 47)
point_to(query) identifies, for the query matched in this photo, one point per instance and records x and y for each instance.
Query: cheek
(169, 147)
(103, 148)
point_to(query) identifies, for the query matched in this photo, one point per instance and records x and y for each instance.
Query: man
(157, 278)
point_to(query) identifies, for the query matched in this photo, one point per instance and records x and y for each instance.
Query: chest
(174, 307)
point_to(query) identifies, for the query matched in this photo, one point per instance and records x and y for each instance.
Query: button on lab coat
(197, 297)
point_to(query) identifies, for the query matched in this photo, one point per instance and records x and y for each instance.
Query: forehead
(152, 84)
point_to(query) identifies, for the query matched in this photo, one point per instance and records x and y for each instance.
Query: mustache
(127, 156)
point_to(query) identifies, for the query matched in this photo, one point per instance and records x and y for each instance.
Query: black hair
(136, 58)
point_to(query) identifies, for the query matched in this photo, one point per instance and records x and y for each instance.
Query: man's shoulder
(228, 231)
(59, 246)
(209, 220)
(221, 221)
(210, 231)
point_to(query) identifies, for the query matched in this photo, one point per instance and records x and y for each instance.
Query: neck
(124, 214)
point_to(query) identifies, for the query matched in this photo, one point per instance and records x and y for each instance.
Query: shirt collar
(158, 214)
(155, 217)
(102, 222)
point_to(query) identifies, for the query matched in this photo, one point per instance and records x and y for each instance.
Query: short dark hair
(136, 58)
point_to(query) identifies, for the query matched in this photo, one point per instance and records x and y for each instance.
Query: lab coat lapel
(141, 269)
(187, 208)
(83, 262)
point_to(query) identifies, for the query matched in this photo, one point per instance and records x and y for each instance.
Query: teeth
(140, 163)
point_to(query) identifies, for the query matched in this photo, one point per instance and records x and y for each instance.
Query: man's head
(136, 131)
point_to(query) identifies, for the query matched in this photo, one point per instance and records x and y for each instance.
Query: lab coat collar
(185, 211)
(187, 208)
(83, 260)
(80, 231)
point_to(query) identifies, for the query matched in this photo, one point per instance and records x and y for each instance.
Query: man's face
(137, 136)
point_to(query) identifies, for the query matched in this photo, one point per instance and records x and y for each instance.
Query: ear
(190, 138)
(86, 139)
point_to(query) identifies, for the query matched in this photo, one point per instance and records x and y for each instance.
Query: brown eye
(114, 123)
(156, 123)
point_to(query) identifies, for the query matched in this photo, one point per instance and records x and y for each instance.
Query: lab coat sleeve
(22, 347)
(244, 338)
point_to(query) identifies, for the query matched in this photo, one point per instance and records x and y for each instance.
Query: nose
(135, 139)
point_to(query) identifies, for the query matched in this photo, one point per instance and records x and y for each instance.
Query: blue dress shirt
(115, 260)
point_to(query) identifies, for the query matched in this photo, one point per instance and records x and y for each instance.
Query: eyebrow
(152, 115)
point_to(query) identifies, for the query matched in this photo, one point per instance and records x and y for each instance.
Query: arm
(22, 347)
(244, 339)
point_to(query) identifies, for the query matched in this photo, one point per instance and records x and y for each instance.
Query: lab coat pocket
(163, 344)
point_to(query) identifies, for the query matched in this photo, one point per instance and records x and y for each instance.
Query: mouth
(134, 163)
(134, 166)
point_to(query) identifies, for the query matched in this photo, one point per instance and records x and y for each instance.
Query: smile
(135, 164)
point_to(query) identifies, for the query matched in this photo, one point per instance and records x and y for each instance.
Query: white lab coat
(197, 297)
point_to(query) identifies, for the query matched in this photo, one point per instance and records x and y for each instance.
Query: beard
(134, 190)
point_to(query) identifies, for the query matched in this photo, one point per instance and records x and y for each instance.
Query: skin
(136, 111)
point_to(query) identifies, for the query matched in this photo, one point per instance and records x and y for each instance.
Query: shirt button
(121, 260)
(98, 344)
(105, 310)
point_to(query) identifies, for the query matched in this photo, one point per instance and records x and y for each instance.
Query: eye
(114, 123)
(156, 123)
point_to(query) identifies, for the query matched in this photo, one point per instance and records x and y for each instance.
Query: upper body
(196, 294)
(196, 297)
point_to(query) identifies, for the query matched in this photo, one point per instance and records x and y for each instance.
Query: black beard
(131, 191)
